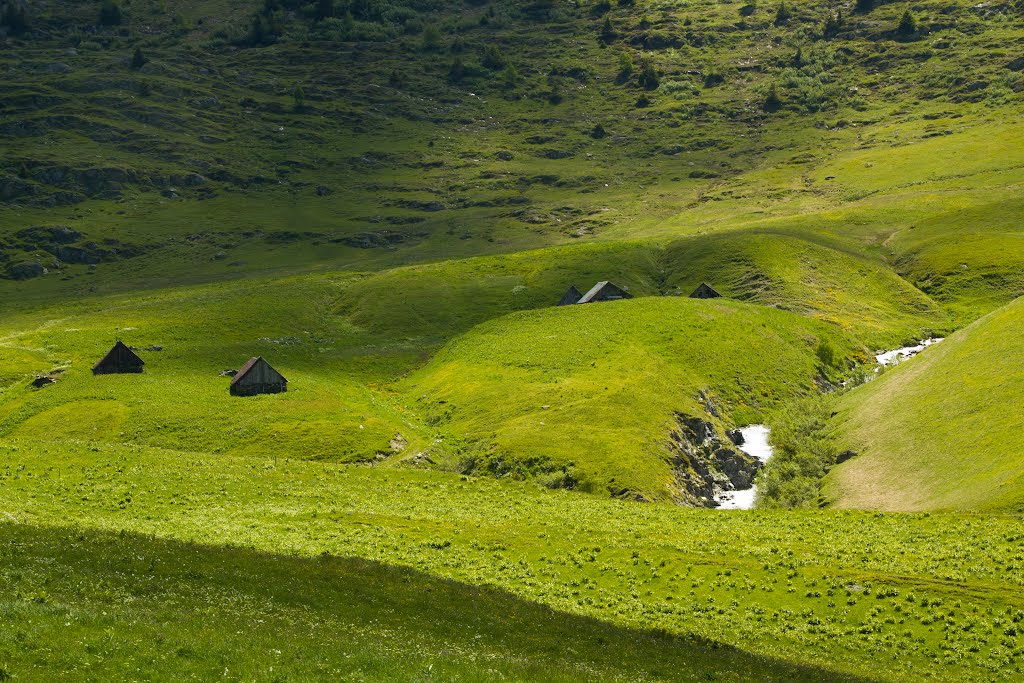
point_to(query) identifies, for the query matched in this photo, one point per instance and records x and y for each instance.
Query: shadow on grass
(81, 604)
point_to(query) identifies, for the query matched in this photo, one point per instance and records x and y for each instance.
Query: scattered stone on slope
(845, 455)
(372, 240)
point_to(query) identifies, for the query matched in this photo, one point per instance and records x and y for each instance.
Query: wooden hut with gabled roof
(119, 359)
(257, 376)
(571, 296)
(604, 291)
(705, 291)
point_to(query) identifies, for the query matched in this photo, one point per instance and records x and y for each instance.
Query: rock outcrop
(704, 463)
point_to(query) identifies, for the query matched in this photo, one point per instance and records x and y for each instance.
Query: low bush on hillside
(804, 452)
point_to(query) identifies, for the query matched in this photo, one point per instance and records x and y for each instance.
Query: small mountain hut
(257, 376)
(705, 291)
(604, 291)
(571, 296)
(119, 359)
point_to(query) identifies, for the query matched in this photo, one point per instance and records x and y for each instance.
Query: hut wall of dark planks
(119, 359)
(257, 376)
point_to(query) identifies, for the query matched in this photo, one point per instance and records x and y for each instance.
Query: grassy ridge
(948, 611)
(591, 390)
(941, 431)
(344, 339)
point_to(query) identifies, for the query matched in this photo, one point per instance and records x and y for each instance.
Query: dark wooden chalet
(119, 359)
(572, 296)
(604, 291)
(258, 377)
(705, 291)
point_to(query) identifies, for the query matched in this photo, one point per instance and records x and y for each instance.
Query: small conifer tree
(908, 25)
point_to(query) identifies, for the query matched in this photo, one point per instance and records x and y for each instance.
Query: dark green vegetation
(385, 200)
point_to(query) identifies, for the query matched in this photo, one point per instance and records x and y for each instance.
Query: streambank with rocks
(705, 462)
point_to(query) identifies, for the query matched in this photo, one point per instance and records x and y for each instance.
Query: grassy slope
(330, 412)
(947, 611)
(855, 152)
(344, 339)
(77, 593)
(942, 431)
(594, 388)
(823, 209)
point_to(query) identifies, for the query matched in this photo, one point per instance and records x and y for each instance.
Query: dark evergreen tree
(324, 9)
(138, 59)
(864, 6)
(648, 77)
(14, 19)
(456, 70)
(908, 25)
(772, 102)
(782, 14)
(492, 58)
(110, 13)
(607, 30)
(833, 24)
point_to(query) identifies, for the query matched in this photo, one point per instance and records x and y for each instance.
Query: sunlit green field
(895, 596)
(385, 199)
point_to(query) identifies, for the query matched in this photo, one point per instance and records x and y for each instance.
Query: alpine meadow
(511, 340)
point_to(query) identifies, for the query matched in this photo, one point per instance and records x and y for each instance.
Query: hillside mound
(590, 396)
(943, 430)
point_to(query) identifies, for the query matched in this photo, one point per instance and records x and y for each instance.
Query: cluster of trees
(343, 18)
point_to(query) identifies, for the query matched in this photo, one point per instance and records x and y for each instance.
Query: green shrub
(803, 453)
(648, 77)
(492, 58)
(826, 353)
(431, 39)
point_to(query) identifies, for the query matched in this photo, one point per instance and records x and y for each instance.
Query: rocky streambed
(706, 463)
(755, 444)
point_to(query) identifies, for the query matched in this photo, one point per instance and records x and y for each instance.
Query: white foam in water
(755, 443)
(897, 355)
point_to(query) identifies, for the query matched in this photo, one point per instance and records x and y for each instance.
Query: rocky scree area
(51, 247)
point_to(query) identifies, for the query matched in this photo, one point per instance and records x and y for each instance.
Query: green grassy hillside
(385, 199)
(345, 340)
(331, 410)
(592, 390)
(206, 163)
(667, 585)
(943, 430)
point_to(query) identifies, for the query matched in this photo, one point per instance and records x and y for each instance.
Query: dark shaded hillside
(334, 131)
